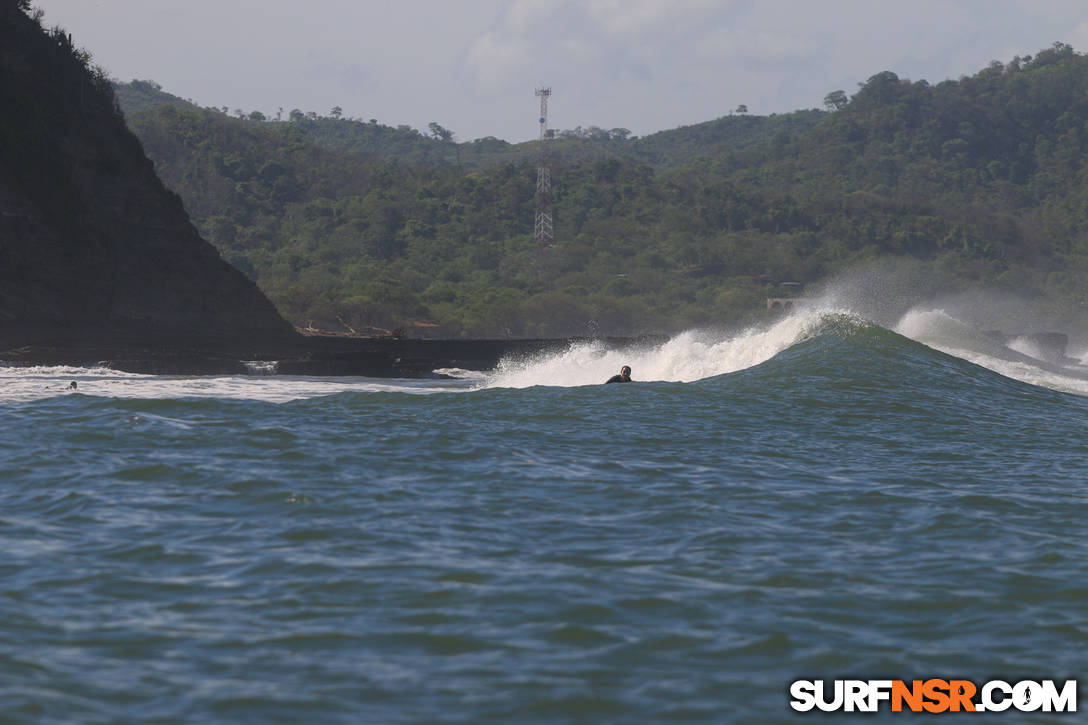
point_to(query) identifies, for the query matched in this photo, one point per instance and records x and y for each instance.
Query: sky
(472, 66)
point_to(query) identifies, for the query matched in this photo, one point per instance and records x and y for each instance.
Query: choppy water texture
(822, 498)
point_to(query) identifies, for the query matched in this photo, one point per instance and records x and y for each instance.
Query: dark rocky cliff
(92, 245)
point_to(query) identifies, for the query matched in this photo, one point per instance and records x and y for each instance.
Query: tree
(296, 115)
(445, 136)
(336, 112)
(257, 116)
(836, 100)
(440, 134)
(742, 108)
(881, 88)
(148, 84)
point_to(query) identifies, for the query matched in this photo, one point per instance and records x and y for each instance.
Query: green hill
(661, 150)
(342, 222)
(140, 95)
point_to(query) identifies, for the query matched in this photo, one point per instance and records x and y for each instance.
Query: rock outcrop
(92, 245)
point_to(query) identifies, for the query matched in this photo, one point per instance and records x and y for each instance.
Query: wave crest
(687, 357)
(700, 354)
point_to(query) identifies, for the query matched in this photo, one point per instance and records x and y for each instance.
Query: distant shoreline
(379, 357)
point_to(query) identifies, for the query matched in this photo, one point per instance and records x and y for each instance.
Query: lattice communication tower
(542, 230)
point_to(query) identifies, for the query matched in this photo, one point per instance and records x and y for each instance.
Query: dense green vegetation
(147, 96)
(437, 147)
(346, 222)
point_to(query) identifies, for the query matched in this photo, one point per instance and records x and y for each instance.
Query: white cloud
(521, 16)
(635, 17)
(580, 50)
(727, 43)
(496, 61)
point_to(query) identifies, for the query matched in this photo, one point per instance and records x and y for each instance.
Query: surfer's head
(625, 371)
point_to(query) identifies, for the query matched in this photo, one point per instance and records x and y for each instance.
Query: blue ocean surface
(824, 498)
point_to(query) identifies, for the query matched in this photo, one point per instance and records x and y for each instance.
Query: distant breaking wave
(687, 357)
(698, 355)
(1019, 358)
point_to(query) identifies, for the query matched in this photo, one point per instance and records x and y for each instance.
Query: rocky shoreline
(304, 355)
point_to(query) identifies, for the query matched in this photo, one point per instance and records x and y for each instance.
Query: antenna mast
(542, 229)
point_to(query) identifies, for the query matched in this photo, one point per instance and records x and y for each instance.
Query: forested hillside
(351, 223)
(437, 145)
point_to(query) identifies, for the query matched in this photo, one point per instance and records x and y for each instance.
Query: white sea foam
(261, 367)
(689, 356)
(462, 374)
(24, 384)
(1020, 358)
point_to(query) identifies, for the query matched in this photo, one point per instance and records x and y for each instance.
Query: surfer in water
(623, 377)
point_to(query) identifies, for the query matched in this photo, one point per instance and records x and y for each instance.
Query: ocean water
(821, 498)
